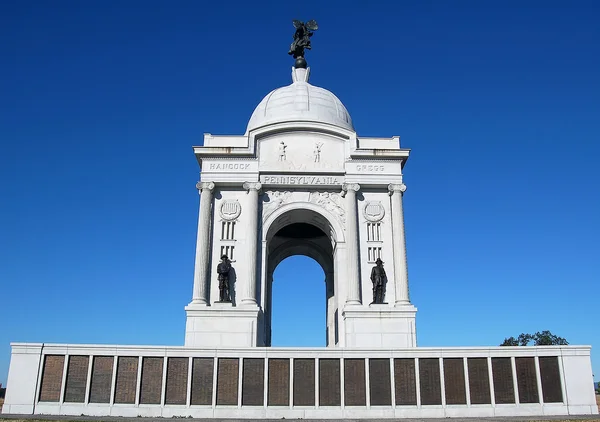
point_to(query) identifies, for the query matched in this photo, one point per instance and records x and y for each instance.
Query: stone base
(221, 325)
(380, 326)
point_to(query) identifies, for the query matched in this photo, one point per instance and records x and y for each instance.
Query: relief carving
(373, 211)
(273, 200)
(331, 201)
(230, 210)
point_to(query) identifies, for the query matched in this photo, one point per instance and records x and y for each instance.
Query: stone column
(203, 243)
(249, 297)
(353, 292)
(399, 242)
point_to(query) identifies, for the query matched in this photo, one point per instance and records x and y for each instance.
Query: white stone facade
(301, 161)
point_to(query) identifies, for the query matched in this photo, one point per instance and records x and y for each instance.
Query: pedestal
(221, 325)
(380, 326)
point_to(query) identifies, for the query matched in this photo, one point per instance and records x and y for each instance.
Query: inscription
(202, 381)
(304, 382)
(279, 382)
(370, 167)
(479, 381)
(127, 369)
(177, 377)
(52, 378)
(454, 380)
(301, 180)
(429, 376)
(152, 371)
(405, 382)
(526, 380)
(253, 382)
(380, 389)
(504, 391)
(227, 381)
(102, 368)
(550, 374)
(329, 382)
(354, 382)
(76, 379)
(229, 166)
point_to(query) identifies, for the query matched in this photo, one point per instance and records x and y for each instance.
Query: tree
(543, 338)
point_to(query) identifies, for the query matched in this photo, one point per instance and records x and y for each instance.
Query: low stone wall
(299, 383)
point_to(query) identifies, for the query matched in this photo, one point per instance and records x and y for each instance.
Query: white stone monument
(301, 182)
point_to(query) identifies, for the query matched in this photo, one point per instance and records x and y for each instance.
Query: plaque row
(299, 381)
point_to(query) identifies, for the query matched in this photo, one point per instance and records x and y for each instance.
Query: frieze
(331, 201)
(227, 166)
(273, 200)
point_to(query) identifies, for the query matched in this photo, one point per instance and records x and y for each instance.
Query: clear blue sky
(101, 102)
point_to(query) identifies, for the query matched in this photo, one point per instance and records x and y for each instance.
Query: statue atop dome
(302, 40)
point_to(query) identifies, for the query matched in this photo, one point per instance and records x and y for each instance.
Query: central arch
(302, 229)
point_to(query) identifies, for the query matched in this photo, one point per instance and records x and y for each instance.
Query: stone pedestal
(380, 326)
(222, 325)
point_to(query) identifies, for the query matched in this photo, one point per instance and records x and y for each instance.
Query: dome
(300, 101)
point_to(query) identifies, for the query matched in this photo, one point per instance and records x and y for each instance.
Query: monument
(300, 181)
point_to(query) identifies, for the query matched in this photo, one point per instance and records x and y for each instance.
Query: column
(399, 243)
(249, 294)
(203, 243)
(353, 295)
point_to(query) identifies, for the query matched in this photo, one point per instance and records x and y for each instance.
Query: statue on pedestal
(379, 280)
(223, 276)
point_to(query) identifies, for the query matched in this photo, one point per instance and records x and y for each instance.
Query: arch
(335, 231)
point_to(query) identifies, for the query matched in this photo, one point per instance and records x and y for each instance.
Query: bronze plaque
(354, 382)
(380, 388)
(52, 376)
(177, 380)
(227, 381)
(202, 381)
(479, 381)
(253, 382)
(77, 371)
(429, 379)
(152, 372)
(102, 373)
(329, 382)
(454, 381)
(405, 382)
(527, 380)
(279, 382)
(550, 374)
(304, 382)
(504, 391)
(126, 383)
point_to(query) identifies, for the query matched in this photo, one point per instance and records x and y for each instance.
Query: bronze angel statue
(302, 37)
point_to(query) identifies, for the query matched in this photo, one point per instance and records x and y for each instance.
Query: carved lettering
(228, 166)
(370, 167)
(301, 180)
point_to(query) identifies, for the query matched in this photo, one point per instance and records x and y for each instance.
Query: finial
(302, 41)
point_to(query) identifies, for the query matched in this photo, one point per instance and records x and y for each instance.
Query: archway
(301, 231)
(300, 322)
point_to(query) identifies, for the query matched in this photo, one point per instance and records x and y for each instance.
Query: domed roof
(300, 101)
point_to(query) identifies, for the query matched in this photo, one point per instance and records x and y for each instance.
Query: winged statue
(302, 37)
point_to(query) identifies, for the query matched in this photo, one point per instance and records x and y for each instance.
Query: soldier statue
(379, 280)
(223, 275)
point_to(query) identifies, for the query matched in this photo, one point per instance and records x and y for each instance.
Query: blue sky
(101, 102)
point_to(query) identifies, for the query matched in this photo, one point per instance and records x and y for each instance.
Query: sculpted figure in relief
(317, 152)
(330, 201)
(275, 200)
(282, 147)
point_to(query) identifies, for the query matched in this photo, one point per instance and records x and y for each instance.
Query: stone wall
(303, 383)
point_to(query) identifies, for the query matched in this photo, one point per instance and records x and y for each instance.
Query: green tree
(541, 338)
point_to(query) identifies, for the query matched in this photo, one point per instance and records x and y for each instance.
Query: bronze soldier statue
(379, 280)
(223, 275)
